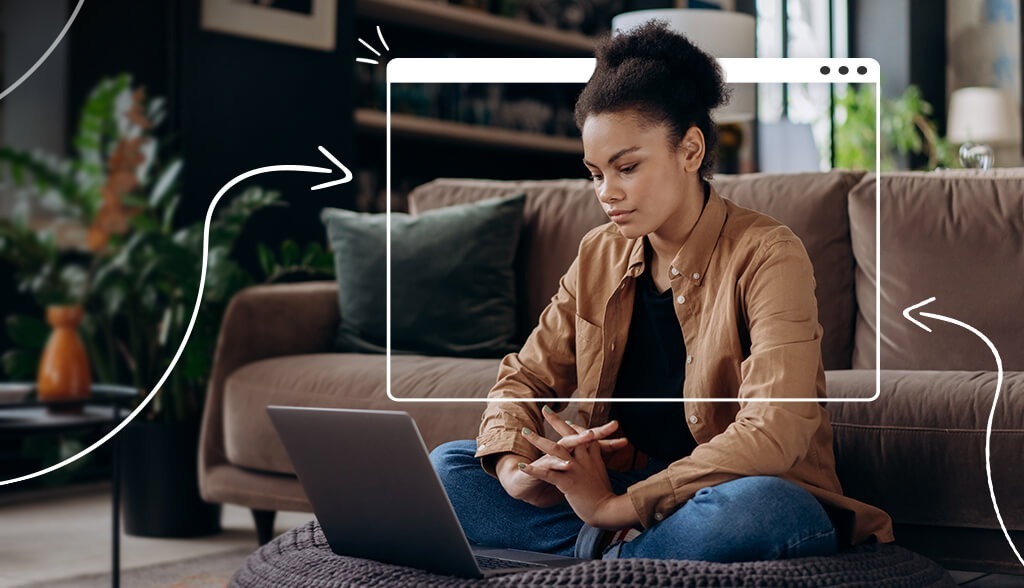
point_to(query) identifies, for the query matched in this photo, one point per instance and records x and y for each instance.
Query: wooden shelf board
(474, 24)
(405, 125)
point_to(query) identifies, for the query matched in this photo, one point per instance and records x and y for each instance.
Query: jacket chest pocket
(589, 356)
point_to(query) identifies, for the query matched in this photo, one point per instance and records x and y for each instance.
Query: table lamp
(980, 119)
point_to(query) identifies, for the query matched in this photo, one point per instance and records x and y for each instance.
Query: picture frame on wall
(304, 23)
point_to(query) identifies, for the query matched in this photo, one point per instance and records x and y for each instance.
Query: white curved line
(192, 321)
(382, 41)
(367, 45)
(909, 309)
(988, 427)
(53, 46)
(346, 173)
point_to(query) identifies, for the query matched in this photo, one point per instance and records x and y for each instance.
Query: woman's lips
(620, 216)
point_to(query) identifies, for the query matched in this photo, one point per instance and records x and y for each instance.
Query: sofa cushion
(557, 215)
(452, 281)
(954, 235)
(918, 451)
(349, 380)
(814, 206)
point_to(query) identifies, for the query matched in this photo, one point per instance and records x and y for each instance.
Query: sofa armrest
(263, 322)
(918, 451)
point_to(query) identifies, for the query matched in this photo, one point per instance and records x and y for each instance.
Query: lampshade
(719, 33)
(983, 115)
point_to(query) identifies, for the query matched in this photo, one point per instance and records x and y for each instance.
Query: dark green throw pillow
(452, 278)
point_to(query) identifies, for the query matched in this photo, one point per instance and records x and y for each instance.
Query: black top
(653, 366)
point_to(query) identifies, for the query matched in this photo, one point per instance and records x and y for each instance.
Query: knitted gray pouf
(302, 557)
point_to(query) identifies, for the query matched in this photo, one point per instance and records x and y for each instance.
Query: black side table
(22, 414)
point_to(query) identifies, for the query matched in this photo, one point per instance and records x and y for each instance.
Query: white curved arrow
(35, 66)
(346, 177)
(991, 414)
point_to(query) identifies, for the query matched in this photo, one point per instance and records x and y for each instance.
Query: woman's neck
(670, 237)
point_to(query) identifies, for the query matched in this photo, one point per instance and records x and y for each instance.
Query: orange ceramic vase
(64, 368)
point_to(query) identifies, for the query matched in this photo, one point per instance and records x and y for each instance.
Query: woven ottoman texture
(302, 557)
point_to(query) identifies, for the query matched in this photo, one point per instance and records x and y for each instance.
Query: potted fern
(117, 246)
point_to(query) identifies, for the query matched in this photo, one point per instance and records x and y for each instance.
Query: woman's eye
(628, 169)
(594, 177)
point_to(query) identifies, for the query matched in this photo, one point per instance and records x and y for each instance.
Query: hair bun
(676, 55)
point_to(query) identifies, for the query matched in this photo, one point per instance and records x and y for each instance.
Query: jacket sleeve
(766, 438)
(544, 368)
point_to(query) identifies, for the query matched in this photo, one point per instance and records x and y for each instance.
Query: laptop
(368, 475)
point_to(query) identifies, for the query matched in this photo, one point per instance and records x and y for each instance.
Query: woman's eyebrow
(617, 155)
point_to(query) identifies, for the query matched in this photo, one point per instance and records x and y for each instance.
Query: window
(802, 28)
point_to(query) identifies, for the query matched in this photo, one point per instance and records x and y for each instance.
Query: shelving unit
(425, 148)
(404, 125)
(474, 25)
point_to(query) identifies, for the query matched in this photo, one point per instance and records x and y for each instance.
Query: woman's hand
(524, 487)
(574, 465)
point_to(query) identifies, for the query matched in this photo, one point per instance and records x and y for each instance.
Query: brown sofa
(918, 451)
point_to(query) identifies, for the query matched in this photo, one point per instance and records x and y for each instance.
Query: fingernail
(527, 432)
(522, 466)
(547, 409)
(569, 423)
(565, 462)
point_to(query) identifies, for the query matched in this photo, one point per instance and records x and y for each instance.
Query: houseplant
(906, 129)
(118, 248)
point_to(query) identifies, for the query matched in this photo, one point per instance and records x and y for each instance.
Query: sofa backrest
(955, 235)
(559, 212)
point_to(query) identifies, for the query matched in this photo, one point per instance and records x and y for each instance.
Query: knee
(448, 458)
(773, 499)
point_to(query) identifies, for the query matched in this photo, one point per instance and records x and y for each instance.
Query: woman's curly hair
(661, 75)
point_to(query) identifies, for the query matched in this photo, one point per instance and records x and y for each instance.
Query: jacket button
(482, 447)
(696, 276)
(689, 359)
(693, 419)
(680, 299)
(675, 272)
(612, 347)
(658, 516)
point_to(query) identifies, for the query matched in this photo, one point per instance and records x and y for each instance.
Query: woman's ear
(691, 150)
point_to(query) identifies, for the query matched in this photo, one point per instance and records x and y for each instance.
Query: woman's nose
(609, 192)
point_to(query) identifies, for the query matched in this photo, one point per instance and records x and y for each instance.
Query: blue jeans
(747, 519)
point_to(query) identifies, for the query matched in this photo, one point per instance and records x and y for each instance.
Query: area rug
(207, 571)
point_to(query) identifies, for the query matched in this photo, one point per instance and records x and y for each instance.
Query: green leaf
(164, 184)
(266, 258)
(27, 331)
(21, 364)
(289, 253)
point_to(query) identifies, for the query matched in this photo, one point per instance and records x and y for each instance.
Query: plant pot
(64, 366)
(160, 481)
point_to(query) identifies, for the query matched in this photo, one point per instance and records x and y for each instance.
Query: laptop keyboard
(496, 563)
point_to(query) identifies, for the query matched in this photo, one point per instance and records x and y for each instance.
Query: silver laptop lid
(372, 487)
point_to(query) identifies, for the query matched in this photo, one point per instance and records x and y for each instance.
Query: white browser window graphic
(739, 72)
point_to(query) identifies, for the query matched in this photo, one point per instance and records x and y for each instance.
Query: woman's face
(642, 183)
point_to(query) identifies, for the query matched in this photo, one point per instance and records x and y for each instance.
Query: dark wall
(249, 103)
(235, 104)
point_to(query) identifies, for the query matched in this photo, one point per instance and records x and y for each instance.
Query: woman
(683, 290)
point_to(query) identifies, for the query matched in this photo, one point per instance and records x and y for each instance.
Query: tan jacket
(744, 289)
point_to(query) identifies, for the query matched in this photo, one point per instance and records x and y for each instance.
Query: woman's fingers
(546, 468)
(546, 445)
(612, 445)
(589, 435)
(560, 426)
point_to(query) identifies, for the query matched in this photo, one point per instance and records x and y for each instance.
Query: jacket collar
(694, 257)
